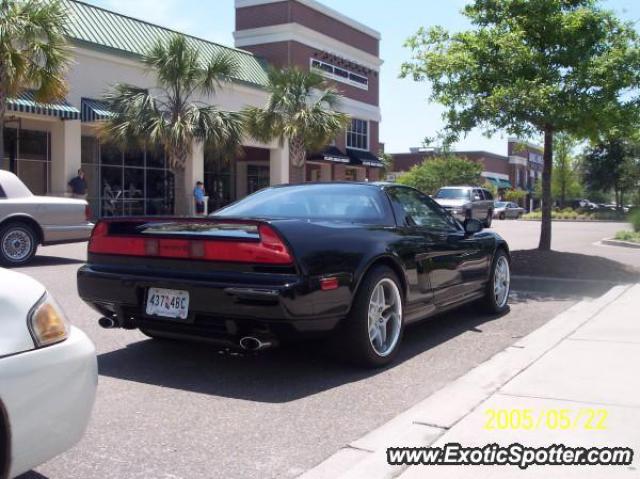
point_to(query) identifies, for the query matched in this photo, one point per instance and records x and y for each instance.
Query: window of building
(131, 182)
(27, 154)
(358, 134)
(257, 177)
(219, 179)
(340, 74)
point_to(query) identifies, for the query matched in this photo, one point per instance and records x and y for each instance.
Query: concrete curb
(615, 242)
(425, 422)
(576, 221)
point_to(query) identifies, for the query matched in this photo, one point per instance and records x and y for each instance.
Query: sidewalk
(584, 359)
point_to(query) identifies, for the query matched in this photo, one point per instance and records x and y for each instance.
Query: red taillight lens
(270, 249)
(88, 214)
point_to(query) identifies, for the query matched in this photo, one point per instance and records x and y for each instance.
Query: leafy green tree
(515, 195)
(613, 166)
(301, 111)
(33, 52)
(529, 67)
(566, 178)
(171, 115)
(387, 161)
(435, 173)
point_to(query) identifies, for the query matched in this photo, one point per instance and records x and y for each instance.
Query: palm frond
(301, 106)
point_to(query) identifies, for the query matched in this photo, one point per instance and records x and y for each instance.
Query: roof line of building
(451, 152)
(135, 19)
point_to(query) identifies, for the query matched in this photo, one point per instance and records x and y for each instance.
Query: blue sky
(407, 116)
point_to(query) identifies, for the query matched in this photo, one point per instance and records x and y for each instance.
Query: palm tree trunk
(297, 158)
(545, 227)
(181, 206)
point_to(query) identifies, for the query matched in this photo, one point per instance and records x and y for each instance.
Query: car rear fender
(383, 260)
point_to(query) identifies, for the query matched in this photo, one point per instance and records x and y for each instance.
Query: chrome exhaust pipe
(250, 343)
(108, 323)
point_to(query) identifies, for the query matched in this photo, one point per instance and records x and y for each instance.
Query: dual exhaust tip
(247, 343)
(251, 343)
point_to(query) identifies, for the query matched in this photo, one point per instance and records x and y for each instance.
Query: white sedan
(48, 376)
(27, 220)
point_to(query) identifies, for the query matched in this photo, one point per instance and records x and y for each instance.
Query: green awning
(94, 110)
(26, 103)
(492, 180)
(504, 184)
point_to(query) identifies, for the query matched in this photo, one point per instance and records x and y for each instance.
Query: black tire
(353, 337)
(28, 235)
(489, 301)
(487, 221)
(502, 216)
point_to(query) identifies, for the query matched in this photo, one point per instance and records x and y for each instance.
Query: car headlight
(47, 322)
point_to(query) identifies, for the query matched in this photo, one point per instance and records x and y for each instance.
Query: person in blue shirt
(198, 197)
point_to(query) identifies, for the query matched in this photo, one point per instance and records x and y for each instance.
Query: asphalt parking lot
(181, 410)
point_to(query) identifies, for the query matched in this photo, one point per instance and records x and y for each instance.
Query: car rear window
(344, 203)
(452, 194)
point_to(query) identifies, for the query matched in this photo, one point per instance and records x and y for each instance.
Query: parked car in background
(355, 260)
(27, 220)
(465, 202)
(48, 376)
(507, 209)
(584, 204)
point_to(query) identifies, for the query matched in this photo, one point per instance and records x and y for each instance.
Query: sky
(407, 115)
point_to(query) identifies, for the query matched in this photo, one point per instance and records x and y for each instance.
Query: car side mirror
(476, 198)
(472, 226)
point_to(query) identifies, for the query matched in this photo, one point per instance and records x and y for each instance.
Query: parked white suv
(465, 202)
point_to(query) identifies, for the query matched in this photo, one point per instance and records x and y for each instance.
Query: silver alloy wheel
(17, 244)
(501, 281)
(385, 317)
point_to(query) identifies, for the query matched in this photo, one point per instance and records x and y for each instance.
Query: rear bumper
(48, 394)
(221, 311)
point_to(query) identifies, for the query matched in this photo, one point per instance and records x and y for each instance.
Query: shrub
(628, 236)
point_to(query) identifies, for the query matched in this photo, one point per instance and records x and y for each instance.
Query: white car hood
(18, 294)
(451, 203)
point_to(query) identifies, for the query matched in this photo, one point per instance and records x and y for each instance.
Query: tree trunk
(297, 159)
(545, 227)
(181, 202)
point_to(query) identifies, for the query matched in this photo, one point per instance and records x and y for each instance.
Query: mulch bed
(571, 265)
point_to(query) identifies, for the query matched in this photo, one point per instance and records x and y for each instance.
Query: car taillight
(270, 249)
(88, 214)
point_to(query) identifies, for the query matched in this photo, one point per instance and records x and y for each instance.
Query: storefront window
(26, 153)
(257, 178)
(132, 182)
(351, 174)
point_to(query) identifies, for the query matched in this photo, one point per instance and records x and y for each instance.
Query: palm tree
(301, 111)
(170, 115)
(33, 52)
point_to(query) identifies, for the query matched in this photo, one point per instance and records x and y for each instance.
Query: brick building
(521, 169)
(311, 36)
(495, 168)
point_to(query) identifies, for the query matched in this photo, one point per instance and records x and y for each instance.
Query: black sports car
(359, 260)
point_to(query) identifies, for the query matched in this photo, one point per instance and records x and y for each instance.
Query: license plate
(168, 303)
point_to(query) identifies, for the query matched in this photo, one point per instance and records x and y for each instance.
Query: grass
(632, 236)
(576, 215)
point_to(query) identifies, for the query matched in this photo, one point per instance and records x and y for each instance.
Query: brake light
(88, 214)
(270, 249)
